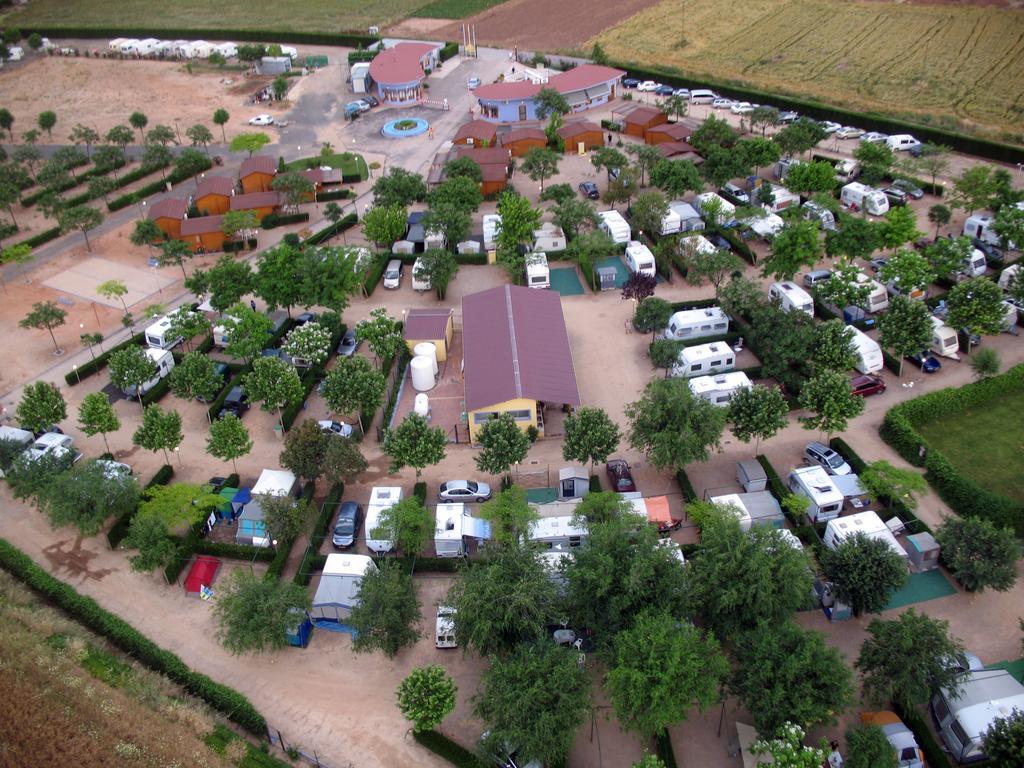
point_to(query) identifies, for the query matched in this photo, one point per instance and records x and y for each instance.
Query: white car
(473, 82)
(444, 628)
(721, 103)
(648, 85)
(261, 120)
(741, 108)
(683, 93)
(54, 444)
(830, 127)
(336, 427)
(874, 137)
(849, 132)
(363, 104)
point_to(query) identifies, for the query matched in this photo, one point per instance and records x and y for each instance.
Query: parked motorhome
(453, 526)
(782, 199)
(944, 340)
(227, 50)
(847, 170)
(689, 219)
(128, 45)
(726, 211)
(145, 47)
(867, 523)
(980, 227)
(548, 237)
(964, 719)
(792, 298)
(640, 259)
(381, 499)
(878, 299)
(537, 273)
(491, 224)
(420, 284)
(700, 360)
(221, 333)
(158, 334)
(616, 227)
(974, 265)
(670, 223)
(783, 167)
(340, 583)
(720, 388)
(697, 323)
(115, 44)
(757, 508)
(869, 354)
(861, 197)
(557, 532)
(826, 500)
(1007, 275)
(696, 245)
(814, 212)
(164, 362)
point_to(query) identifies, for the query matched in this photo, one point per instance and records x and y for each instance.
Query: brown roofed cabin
(582, 132)
(204, 233)
(669, 132)
(519, 141)
(167, 215)
(679, 150)
(434, 325)
(476, 133)
(260, 203)
(257, 174)
(516, 356)
(213, 195)
(322, 177)
(640, 119)
(495, 164)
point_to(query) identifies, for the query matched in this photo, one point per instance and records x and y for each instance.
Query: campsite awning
(598, 91)
(477, 528)
(242, 496)
(658, 511)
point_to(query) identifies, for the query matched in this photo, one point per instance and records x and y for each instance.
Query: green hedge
(309, 380)
(157, 392)
(245, 552)
(448, 750)
(334, 194)
(424, 564)
(392, 400)
(126, 638)
(891, 363)
(29, 200)
(689, 494)
(174, 177)
(964, 495)
(218, 402)
(375, 272)
(345, 39)
(90, 367)
(479, 259)
(272, 220)
(449, 50)
(311, 563)
(120, 527)
(42, 237)
(679, 306)
(354, 57)
(334, 229)
(738, 244)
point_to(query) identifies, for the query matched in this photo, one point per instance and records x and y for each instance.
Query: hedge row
(420, 492)
(354, 57)
(126, 638)
(449, 50)
(679, 306)
(738, 244)
(30, 200)
(423, 564)
(688, 491)
(272, 220)
(392, 402)
(120, 527)
(375, 272)
(43, 237)
(157, 393)
(965, 496)
(345, 40)
(448, 750)
(478, 259)
(97, 364)
(334, 194)
(334, 229)
(175, 177)
(310, 378)
(868, 121)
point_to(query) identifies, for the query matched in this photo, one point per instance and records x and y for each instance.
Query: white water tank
(422, 368)
(427, 349)
(421, 405)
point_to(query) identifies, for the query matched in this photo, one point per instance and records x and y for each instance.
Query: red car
(620, 476)
(867, 385)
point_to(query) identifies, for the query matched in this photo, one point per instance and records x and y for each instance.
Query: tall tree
(1009, 225)
(399, 188)
(83, 134)
(864, 573)
(414, 443)
(519, 219)
(979, 554)
(86, 495)
(451, 221)
(459, 191)
(758, 412)
(868, 747)
(973, 188)
(426, 696)
(796, 246)
(676, 177)
(46, 315)
(876, 161)
(121, 136)
(648, 211)
(855, 238)
(295, 187)
(384, 224)
(130, 369)
(590, 436)
(309, 343)
(1004, 740)
(760, 153)
(249, 142)
(46, 121)
(304, 449)
(254, 614)
(175, 253)
(80, 217)
(247, 332)
(221, 117)
(898, 227)
(939, 215)
(833, 347)
(408, 524)
(976, 305)
(382, 334)
(831, 401)
(910, 270)
(906, 328)
(274, 384)
(671, 426)
(225, 282)
(437, 267)
(808, 178)
(387, 612)
(97, 416)
(196, 377)
(41, 406)
(229, 439)
(502, 444)
(713, 132)
(138, 121)
(540, 164)
(354, 385)
(160, 431)
(646, 156)
(510, 516)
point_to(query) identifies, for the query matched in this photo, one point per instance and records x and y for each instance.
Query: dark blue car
(664, 90)
(925, 362)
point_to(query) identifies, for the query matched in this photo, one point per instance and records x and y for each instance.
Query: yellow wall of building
(442, 345)
(519, 404)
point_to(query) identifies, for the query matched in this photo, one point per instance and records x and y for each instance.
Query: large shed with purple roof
(398, 72)
(584, 87)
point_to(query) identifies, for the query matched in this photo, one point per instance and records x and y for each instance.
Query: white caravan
(146, 47)
(670, 223)
(782, 199)
(726, 210)
(537, 273)
(549, 237)
(869, 354)
(867, 523)
(381, 499)
(974, 265)
(1007, 275)
(227, 50)
(965, 718)
(492, 225)
(616, 227)
(766, 227)
(792, 298)
(825, 218)
(128, 45)
(757, 508)
(419, 284)
(944, 340)
(340, 583)
(640, 259)
(164, 362)
(861, 197)
(719, 389)
(826, 500)
(847, 170)
(453, 525)
(158, 334)
(878, 299)
(702, 359)
(697, 323)
(980, 227)
(557, 532)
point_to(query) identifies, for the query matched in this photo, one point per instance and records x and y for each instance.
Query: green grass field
(947, 65)
(455, 9)
(986, 444)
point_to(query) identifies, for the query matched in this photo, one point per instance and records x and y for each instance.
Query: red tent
(202, 573)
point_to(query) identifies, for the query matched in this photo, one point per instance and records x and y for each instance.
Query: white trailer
(726, 211)
(557, 532)
(720, 388)
(616, 227)
(290, 51)
(814, 212)
(359, 74)
(1010, 317)
(115, 44)
(980, 227)
(128, 45)
(869, 354)
(164, 362)
(670, 223)
(158, 334)
(201, 49)
(1007, 275)
(548, 237)
(221, 333)
(146, 47)
(491, 225)
(867, 523)
(537, 273)
(783, 199)
(965, 718)
(697, 323)
(792, 298)
(453, 526)
(639, 258)
(878, 299)
(702, 359)
(227, 50)
(381, 499)
(944, 340)
(696, 245)
(861, 197)
(766, 227)
(689, 219)
(847, 170)
(974, 265)
(757, 508)
(419, 284)
(826, 500)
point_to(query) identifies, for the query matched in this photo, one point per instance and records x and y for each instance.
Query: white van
(847, 170)
(965, 718)
(640, 259)
(878, 299)
(702, 96)
(826, 500)
(944, 340)
(792, 297)
(702, 359)
(537, 273)
(164, 362)
(861, 197)
(393, 274)
(697, 323)
(419, 284)
(902, 142)
(980, 227)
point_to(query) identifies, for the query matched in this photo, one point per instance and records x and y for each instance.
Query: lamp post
(177, 452)
(77, 377)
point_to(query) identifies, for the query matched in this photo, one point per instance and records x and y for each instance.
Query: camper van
(726, 210)
(720, 388)
(944, 340)
(847, 170)
(381, 498)
(782, 199)
(689, 219)
(557, 532)
(444, 627)
(616, 227)
(158, 334)
(791, 297)
(814, 212)
(549, 237)
(537, 273)
(492, 224)
(640, 259)
(1007, 275)
(453, 525)
(757, 508)
(869, 354)
(702, 359)
(697, 324)
(146, 47)
(128, 45)
(784, 165)
(670, 223)
(826, 500)
(964, 719)
(861, 197)
(419, 284)
(974, 265)
(164, 362)
(980, 227)
(878, 299)
(902, 142)
(867, 523)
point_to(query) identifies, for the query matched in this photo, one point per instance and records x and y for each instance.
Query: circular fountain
(405, 127)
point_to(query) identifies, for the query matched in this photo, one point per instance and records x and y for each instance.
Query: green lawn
(455, 9)
(986, 444)
(349, 163)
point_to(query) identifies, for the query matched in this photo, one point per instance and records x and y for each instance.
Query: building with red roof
(680, 131)
(213, 195)
(584, 132)
(495, 165)
(519, 141)
(167, 214)
(204, 233)
(584, 87)
(259, 203)
(398, 72)
(641, 118)
(257, 173)
(476, 133)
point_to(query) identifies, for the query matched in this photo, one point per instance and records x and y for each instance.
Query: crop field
(455, 9)
(945, 65)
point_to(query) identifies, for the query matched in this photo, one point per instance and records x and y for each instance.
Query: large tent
(338, 591)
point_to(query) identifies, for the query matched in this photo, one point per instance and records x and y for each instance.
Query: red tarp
(202, 572)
